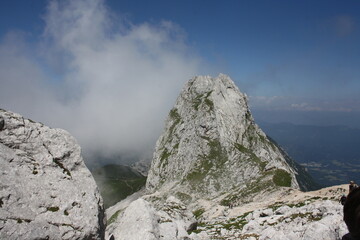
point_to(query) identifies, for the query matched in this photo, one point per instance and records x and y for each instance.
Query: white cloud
(108, 85)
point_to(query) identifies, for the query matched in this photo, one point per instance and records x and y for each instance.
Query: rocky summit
(46, 191)
(212, 147)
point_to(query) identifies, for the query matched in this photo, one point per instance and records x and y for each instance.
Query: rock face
(46, 191)
(212, 146)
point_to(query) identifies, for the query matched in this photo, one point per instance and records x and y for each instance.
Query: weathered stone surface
(46, 191)
(140, 220)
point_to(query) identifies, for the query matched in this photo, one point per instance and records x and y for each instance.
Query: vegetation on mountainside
(198, 212)
(282, 178)
(185, 198)
(265, 182)
(166, 153)
(116, 182)
(114, 217)
(203, 98)
(251, 156)
(175, 118)
(208, 164)
(234, 223)
(164, 157)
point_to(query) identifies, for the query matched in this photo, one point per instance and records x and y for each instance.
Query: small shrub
(53, 209)
(114, 217)
(198, 212)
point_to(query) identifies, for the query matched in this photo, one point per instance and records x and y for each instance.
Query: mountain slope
(116, 182)
(211, 146)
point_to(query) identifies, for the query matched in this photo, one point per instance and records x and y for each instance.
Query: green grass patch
(209, 103)
(115, 190)
(307, 215)
(252, 157)
(198, 212)
(175, 117)
(210, 164)
(116, 182)
(203, 98)
(114, 217)
(53, 209)
(183, 197)
(238, 224)
(164, 156)
(282, 178)
(252, 188)
(276, 206)
(297, 205)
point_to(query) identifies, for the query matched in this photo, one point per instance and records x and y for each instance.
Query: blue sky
(65, 60)
(303, 49)
(272, 48)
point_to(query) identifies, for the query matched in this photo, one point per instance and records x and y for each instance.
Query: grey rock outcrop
(295, 215)
(212, 146)
(292, 214)
(314, 221)
(46, 191)
(141, 220)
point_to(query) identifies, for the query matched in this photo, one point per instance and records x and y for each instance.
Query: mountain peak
(211, 146)
(203, 84)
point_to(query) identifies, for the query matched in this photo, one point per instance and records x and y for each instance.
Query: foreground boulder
(46, 191)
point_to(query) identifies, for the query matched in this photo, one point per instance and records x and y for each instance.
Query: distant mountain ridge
(330, 153)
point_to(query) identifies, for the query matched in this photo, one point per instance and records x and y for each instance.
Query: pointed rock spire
(211, 145)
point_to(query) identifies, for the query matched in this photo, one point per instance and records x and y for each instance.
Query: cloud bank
(108, 82)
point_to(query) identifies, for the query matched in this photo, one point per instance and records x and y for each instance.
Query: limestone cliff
(46, 191)
(211, 146)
